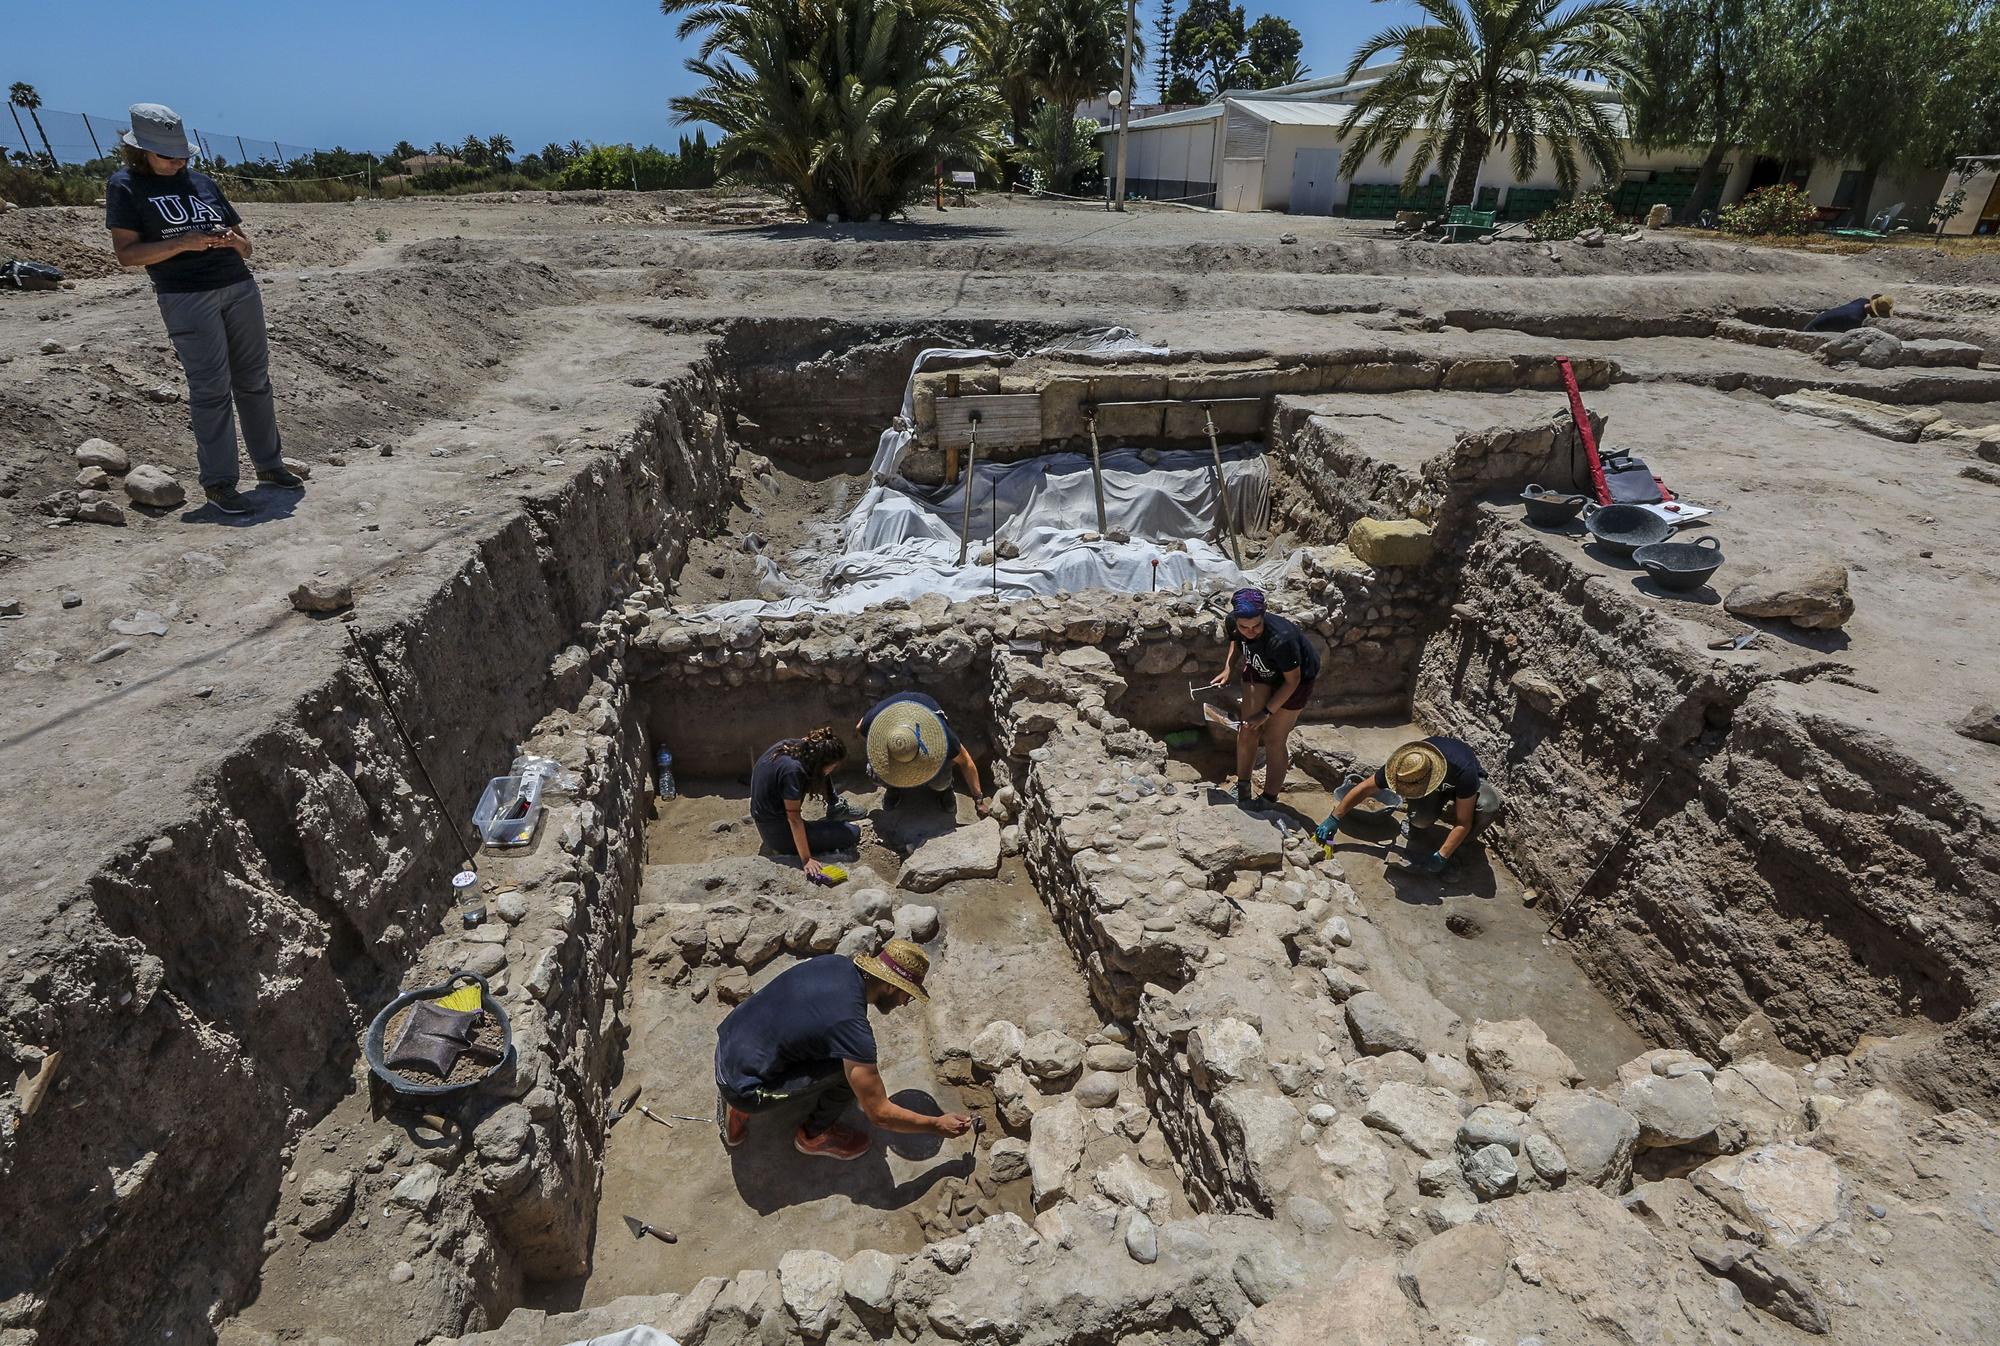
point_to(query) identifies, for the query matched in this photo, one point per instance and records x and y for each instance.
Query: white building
(1281, 149)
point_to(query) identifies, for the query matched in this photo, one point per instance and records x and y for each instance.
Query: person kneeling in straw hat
(1432, 775)
(911, 744)
(806, 1035)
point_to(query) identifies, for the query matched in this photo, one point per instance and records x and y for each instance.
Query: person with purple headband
(1278, 665)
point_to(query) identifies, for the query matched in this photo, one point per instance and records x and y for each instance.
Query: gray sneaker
(228, 499)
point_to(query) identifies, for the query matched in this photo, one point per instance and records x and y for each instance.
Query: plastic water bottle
(663, 765)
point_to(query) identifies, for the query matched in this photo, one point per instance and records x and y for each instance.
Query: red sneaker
(836, 1142)
(735, 1126)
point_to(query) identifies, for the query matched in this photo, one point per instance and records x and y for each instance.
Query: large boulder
(971, 852)
(1258, 1133)
(1223, 839)
(1055, 1148)
(1351, 1153)
(997, 1046)
(810, 1281)
(1791, 1193)
(1596, 1137)
(1423, 1117)
(1363, 1305)
(1516, 1061)
(1378, 1028)
(1391, 542)
(1126, 1183)
(1672, 1111)
(1461, 1268)
(1051, 1056)
(1869, 347)
(1227, 1051)
(1809, 592)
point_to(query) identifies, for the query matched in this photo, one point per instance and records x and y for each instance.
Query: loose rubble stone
(95, 507)
(1126, 1183)
(1766, 1281)
(1546, 1158)
(324, 1200)
(1378, 1028)
(1982, 722)
(93, 479)
(1869, 347)
(997, 1046)
(1391, 542)
(419, 1191)
(323, 595)
(1109, 1056)
(1051, 1056)
(1491, 1172)
(1142, 1239)
(1487, 1125)
(1516, 1061)
(1098, 1089)
(103, 453)
(154, 487)
(1224, 1052)
(1007, 1161)
(867, 1277)
(1264, 1270)
(919, 924)
(1596, 1137)
(1810, 592)
(970, 852)
(811, 1282)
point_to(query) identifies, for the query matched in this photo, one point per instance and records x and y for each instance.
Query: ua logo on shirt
(185, 210)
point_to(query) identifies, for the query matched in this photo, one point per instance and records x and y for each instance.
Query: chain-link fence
(80, 137)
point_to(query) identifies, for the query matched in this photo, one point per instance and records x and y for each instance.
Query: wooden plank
(1197, 403)
(1006, 420)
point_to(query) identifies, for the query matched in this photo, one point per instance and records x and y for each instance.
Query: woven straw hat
(1881, 306)
(901, 964)
(906, 745)
(1415, 769)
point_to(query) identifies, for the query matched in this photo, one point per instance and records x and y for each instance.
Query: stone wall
(207, 990)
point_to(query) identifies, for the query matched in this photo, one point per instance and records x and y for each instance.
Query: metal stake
(1222, 489)
(1096, 467)
(971, 468)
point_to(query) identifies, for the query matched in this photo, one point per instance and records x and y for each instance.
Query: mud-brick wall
(1714, 845)
(206, 988)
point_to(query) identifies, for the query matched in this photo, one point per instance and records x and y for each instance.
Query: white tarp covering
(631, 1336)
(902, 541)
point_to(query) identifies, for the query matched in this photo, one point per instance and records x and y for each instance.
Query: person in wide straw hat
(1432, 775)
(911, 745)
(1854, 313)
(806, 1035)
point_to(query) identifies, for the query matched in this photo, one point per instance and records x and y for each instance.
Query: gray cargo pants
(219, 336)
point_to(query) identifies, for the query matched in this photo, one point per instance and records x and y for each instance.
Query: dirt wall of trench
(1712, 846)
(207, 986)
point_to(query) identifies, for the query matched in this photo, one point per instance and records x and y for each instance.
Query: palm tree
(1072, 50)
(554, 156)
(1493, 74)
(497, 149)
(848, 105)
(473, 152)
(993, 49)
(23, 96)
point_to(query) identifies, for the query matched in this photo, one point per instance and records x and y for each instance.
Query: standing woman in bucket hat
(1278, 665)
(177, 224)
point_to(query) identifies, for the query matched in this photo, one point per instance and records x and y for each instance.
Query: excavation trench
(1215, 959)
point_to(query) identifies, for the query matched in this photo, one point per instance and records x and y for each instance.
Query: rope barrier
(244, 177)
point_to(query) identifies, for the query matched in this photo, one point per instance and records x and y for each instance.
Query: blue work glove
(1328, 830)
(1430, 864)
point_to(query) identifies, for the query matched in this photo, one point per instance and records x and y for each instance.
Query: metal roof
(1185, 116)
(1287, 112)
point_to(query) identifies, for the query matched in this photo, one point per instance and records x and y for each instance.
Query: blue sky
(365, 73)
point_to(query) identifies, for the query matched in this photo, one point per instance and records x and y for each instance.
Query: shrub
(1589, 211)
(1782, 210)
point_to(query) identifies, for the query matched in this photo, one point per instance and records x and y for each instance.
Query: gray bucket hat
(157, 127)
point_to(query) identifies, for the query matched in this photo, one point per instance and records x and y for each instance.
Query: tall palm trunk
(1465, 180)
(1704, 180)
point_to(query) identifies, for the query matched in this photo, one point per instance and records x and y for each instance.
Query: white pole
(1125, 106)
(629, 149)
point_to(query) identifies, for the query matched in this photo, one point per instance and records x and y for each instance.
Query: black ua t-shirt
(800, 1027)
(774, 780)
(1276, 650)
(1843, 318)
(158, 209)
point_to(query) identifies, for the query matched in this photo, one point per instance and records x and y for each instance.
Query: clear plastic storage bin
(510, 810)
